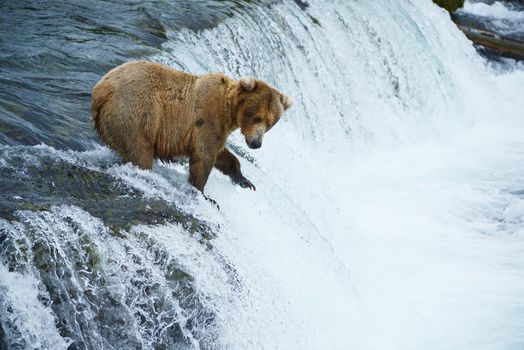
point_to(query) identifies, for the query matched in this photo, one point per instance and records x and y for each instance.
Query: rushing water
(506, 18)
(389, 210)
(502, 19)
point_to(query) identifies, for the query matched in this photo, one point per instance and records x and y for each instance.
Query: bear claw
(245, 183)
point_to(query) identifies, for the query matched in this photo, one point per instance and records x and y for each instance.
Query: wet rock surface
(104, 289)
(493, 36)
(75, 227)
(489, 42)
(37, 182)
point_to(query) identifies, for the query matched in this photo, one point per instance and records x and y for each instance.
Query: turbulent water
(505, 18)
(389, 211)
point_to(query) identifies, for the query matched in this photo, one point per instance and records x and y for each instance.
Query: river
(389, 211)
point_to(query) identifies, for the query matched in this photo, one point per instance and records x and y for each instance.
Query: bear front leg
(140, 153)
(199, 168)
(228, 164)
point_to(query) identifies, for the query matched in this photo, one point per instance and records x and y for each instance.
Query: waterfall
(389, 210)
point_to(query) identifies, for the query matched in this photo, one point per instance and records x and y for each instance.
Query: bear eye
(257, 119)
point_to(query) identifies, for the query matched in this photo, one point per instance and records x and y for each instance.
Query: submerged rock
(87, 236)
(500, 45)
(37, 183)
(489, 40)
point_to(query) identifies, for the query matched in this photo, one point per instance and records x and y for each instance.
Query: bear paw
(245, 183)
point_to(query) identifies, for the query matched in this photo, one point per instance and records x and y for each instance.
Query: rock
(497, 44)
(450, 5)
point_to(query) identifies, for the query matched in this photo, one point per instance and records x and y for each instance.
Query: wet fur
(144, 110)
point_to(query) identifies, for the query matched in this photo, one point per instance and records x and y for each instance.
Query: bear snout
(254, 144)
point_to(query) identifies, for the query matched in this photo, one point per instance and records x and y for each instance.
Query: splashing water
(504, 18)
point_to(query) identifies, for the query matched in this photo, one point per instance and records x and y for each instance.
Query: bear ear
(248, 83)
(286, 101)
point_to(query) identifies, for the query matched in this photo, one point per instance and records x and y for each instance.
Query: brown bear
(144, 110)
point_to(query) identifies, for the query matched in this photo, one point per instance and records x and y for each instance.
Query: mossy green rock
(450, 5)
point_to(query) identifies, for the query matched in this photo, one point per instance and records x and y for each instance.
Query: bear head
(260, 106)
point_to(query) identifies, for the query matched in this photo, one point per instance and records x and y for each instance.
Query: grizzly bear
(144, 110)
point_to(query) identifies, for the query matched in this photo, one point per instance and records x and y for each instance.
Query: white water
(504, 17)
(498, 9)
(19, 295)
(389, 211)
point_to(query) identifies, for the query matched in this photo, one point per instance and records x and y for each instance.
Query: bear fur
(144, 110)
